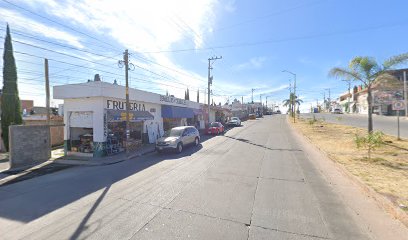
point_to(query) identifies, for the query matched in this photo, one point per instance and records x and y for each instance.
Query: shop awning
(176, 112)
(197, 111)
(120, 115)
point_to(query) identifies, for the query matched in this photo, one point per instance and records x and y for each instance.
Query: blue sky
(170, 42)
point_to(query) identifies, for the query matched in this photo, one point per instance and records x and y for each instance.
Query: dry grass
(386, 172)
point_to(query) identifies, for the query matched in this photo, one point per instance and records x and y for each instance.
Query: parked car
(278, 112)
(234, 122)
(252, 116)
(215, 128)
(337, 111)
(177, 138)
(258, 115)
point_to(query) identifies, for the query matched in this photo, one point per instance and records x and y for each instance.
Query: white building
(95, 116)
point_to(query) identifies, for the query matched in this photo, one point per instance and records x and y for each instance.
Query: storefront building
(95, 117)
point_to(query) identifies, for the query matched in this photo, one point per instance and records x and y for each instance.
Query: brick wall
(29, 145)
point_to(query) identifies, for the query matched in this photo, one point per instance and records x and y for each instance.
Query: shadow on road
(66, 187)
(82, 225)
(263, 146)
(51, 192)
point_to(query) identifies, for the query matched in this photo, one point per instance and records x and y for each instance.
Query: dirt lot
(387, 170)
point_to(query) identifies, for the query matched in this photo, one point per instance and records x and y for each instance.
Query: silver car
(177, 138)
(234, 122)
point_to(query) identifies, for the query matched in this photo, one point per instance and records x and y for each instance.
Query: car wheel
(197, 141)
(179, 147)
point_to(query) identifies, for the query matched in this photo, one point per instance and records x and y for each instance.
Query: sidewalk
(58, 162)
(100, 161)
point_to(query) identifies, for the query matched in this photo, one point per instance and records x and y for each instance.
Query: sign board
(172, 99)
(81, 119)
(398, 105)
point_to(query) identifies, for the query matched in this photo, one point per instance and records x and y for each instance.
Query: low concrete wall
(29, 145)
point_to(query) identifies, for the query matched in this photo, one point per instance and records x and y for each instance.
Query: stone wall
(29, 145)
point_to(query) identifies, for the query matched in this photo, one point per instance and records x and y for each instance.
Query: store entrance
(116, 139)
(81, 140)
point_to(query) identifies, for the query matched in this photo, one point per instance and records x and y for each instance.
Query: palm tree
(367, 70)
(292, 102)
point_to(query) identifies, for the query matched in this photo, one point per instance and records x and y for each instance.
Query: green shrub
(370, 142)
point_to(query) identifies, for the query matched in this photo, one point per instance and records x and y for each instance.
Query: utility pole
(125, 63)
(329, 96)
(252, 98)
(210, 78)
(349, 94)
(126, 60)
(294, 94)
(47, 90)
(405, 94)
(266, 103)
(329, 99)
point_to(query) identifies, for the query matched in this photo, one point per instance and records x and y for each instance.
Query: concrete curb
(4, 178)
(101, 163)
(381, 201)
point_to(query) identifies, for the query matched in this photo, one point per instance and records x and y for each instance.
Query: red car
(215, 128)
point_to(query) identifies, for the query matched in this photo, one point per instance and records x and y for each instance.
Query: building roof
(108, 90)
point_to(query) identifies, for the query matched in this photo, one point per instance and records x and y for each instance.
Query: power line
(61, 53)
(58, 23)
(270, 41)
(269, 15)
(172, 69)
(77, 49)
(57, 44)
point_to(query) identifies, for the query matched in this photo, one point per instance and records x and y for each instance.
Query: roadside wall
(29, 145)
(57, 130)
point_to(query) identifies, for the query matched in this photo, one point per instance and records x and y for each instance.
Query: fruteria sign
(398, 105)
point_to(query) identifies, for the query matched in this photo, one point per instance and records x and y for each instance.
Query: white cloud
(143, 26)
(230, 6)
(140, 25)
(29, 25)
(253, 63)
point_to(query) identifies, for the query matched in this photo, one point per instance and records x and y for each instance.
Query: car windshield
(214, 124)
(234, 118)
(175, 132)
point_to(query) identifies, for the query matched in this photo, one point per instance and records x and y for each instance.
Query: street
(254, 182)
(386, 124)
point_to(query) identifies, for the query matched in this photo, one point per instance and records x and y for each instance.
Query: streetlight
(294, 93)
(349, 93)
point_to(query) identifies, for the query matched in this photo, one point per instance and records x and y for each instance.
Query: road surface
(386, 124)
(255, 182)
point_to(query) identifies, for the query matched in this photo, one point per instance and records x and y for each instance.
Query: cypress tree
(198, 95)
(10, 102)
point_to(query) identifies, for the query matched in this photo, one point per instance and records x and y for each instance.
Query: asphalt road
(255, 182)
(386, 124)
